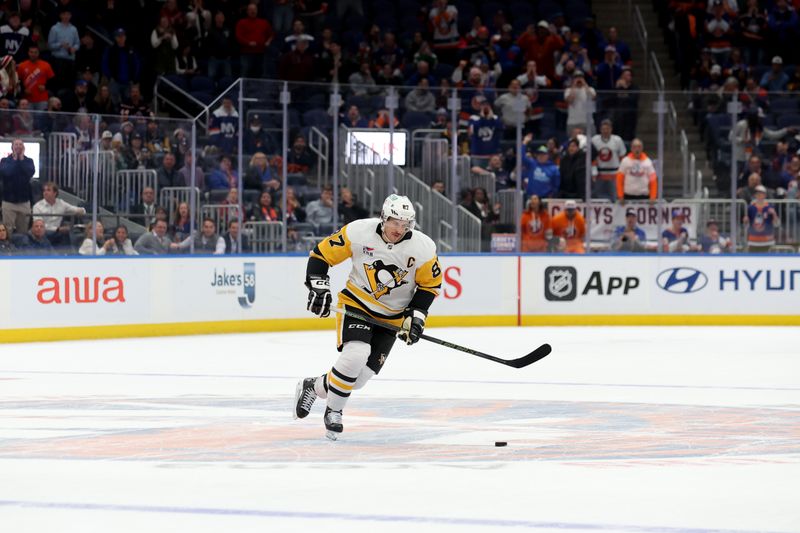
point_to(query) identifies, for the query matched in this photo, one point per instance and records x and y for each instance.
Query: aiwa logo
(226, 283)
(682, 280)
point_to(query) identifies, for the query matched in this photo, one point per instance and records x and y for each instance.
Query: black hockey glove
(412, 327)
(319, 295)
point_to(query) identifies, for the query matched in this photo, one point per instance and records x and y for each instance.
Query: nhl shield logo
(560, 283)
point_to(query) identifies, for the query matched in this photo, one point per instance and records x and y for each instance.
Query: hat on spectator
(716, 69)
(119, 31)
(712, 222)
(81, 82)
(630, 213)
(107, 135)
(678, 213)
(777, 60)
(578, 73)
(611, 48)
(543, 24)
(507, 28)
(117, 137)
(717, 3)
(761, 188)
(255, 118)
(564, 30)
(126, 123)
(441, 111)
(542, 149)
(570, 204)
(136, 135)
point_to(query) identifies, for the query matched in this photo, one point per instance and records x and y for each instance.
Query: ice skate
(304, 397)
(333, 423)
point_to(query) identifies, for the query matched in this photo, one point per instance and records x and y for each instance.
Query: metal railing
(656, 73)
(83, 178)
(61, 165)
(318, 143)
(265, 237)
(640, 29)
(159, 96)
(128, 186)
(170, 197)
(221, 214)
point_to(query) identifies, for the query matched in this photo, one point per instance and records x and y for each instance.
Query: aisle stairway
(617, 13)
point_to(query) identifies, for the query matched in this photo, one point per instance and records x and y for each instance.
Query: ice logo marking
(249, 286)
(682, 280)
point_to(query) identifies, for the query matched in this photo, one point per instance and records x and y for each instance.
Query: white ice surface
(619, 429)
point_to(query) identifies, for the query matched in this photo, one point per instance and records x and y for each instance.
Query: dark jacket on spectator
(16, 176)
(573, 175)
(351, 213)
(169, 178)
(245, 244)
(121, 64)
(32, 246)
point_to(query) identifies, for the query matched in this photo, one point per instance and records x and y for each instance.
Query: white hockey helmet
(399, 208)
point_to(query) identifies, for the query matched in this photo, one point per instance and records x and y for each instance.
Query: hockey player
(394, 278)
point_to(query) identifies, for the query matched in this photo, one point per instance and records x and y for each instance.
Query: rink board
(72, 298)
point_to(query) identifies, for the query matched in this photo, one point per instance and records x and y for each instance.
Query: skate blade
(297, 391)
(331, 435)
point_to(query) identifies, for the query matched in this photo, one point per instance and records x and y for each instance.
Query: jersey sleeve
(429, 276)
(334, 249)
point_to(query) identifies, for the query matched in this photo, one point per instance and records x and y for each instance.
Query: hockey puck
(500, 443)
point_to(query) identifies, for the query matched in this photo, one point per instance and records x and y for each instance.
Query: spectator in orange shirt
(636, 176)
(540, 45)
(535, 224)
(570, 226)
(34, 75)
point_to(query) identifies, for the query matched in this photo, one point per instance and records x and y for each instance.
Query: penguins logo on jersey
(384, 278)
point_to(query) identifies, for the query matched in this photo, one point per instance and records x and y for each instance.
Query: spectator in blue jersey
(540, 176)
(630, 237)
(761, 221)
(485, 132)
(623, 50)
(353, 119)
(509, 55)
(15, 38)
(121, 65)
(675, 239)
(224, 177)
(712, 241)
(609, 71)
(225, 126)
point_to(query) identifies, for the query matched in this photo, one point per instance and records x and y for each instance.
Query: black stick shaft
(520, 362)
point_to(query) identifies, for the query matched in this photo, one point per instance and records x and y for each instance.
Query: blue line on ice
(421, 380)
(263, 513)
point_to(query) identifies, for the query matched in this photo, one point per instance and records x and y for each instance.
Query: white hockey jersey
(609, 154)
(384, 276)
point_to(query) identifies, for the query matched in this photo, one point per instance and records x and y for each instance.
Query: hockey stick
(539, 353)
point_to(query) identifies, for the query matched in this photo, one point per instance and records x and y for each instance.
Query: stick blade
(539, 353)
